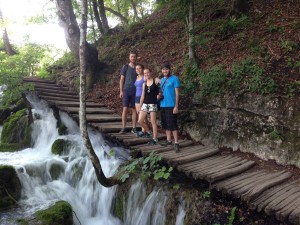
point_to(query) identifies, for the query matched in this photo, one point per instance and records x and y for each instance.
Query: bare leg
(154, 124)
(175, 135)
(142, 117)
(124, 116)
(168, 133)
(134, 117)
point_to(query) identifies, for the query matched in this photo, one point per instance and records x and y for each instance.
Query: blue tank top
(139, 87)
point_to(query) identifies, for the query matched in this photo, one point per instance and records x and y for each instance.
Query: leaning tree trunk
(97, 17)
(7, 46)
(67, 20)
(135, 17)
(123, 19)
(107, 182)
(103, 16)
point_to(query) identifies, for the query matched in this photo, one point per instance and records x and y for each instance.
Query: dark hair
(148, 69)
(140, 66)
(166, 65)
(133, 52)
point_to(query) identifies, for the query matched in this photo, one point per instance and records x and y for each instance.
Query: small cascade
(145, 210)
(47, 178)
(181, 214)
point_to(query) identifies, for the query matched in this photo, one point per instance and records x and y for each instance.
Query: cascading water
(47, 178)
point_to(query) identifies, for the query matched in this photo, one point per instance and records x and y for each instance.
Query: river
(47, 178)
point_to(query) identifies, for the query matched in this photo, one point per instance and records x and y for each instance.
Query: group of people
(145, 94)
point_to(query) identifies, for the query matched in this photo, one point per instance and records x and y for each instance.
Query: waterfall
(47, 178)
(145, 210)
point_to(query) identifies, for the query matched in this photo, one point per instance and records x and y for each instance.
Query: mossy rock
(119, 206)
(10, 187)
(58, 214)
(5, 147)
(62, 129)
(56, 170)
(60, 146)
(16, 129)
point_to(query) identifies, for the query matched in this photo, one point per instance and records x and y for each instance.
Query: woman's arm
(143, 96)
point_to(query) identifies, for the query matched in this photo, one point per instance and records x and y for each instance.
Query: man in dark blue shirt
(127, 91)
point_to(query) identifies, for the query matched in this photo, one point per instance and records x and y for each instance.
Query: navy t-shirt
(130, 77)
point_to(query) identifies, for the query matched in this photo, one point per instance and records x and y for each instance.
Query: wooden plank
(203, 162)
(58, 97)
(207, 171)
(49, 98)
(236, 180)
(159, 148)
(101, 118)
(53, 89)
(294, 217)
(214, 163)
(89, 110)
(193, 157)
(269, 196)
(112, 127)
(201, 165)
(38, 80)
(74, 103)
(183, 151)
(281, 201)
(60, 94)
(230, 172)
(136, 141)
(244, 183)
(286, 211)
(278, 178)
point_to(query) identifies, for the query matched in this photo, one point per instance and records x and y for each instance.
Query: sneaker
(140, 134)
(166, 143)
(148, 134)
(134, 130)
(122, 131)
(176, 147)
(153, 142)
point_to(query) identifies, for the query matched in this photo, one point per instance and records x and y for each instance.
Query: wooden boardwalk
(272, 192)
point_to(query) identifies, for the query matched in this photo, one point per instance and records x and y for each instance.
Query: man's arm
(121, 85)
(175, 110)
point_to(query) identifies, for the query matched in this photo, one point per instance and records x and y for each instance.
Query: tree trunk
(67, 20)
(123, 19)
(107, 182)
(97, 17)
(103, 16)
(239, 7)
(191, 41)
(7, 46)
(135, 17)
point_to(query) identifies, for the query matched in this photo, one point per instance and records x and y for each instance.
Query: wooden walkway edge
(271, 192)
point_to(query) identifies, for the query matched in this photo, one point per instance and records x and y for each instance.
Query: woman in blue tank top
(139, 85)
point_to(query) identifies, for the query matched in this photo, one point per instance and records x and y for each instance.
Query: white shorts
(149, 107)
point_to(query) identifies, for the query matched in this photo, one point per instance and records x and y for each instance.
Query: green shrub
(233, 24)
(213, 81)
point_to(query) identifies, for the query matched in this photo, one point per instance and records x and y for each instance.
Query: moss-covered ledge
(10, 187)
(58, 214)
(16, 132)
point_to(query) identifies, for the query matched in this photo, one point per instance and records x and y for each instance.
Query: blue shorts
(137, 99)
(129, 99)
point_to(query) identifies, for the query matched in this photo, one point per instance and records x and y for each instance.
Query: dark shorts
(168, 119)
(137, 99)
(128, 99)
